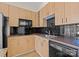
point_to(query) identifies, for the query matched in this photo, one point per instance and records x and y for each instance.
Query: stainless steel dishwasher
(59, 50)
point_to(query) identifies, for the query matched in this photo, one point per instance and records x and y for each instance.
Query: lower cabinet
(12, 46)
(20, 44)
(41, 46)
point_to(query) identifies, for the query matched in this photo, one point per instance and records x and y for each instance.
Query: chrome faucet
(49, 32)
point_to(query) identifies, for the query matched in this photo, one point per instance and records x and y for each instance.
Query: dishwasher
(60, 50)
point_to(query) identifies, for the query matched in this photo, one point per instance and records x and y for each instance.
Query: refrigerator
(3, 31)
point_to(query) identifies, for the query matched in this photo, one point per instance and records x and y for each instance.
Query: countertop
(72, 42)
(66, 41)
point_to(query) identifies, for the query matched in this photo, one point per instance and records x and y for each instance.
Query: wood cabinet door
(36, 19)
(41, 18)
(67, 19)
(22, 13)
(13, 11)
(46, 10)
(13, 21)
(12, 46)
(41, 46)
(28, 14)
(22, 44)
(26, 44)
(31, 43)
(4, 9)
(45, 47)
(51, 8)
(74, 12)
(59, 13)
(33, 19)
(13, 16)
(38, 45)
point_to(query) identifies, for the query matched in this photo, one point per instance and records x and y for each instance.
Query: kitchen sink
(50, 36)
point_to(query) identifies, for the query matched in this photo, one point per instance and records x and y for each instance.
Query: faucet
(49, 32)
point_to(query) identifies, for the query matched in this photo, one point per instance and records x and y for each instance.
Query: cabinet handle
(66, 19)
(62, 20)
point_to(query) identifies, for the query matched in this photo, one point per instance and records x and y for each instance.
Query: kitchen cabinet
(12, 46)
(44, 12)
(28, 14)
(41, 18)
(33, 18)
(13, 21)
(13, 16)
(38, 45)
(51, 8)
(74, 12)
(59, 13)
(31, 43)
(67, 12)
(22, 13)
(41, 46)
(4, 9)
(20, 44)
(47, 10)
(26, 44)
(45, 47)
(13, 11)
(37, 19)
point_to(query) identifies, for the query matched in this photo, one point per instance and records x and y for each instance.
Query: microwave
(25, 22)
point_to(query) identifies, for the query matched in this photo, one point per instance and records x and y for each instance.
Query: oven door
(53, 52)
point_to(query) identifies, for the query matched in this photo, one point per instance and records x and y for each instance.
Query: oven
(59, 50)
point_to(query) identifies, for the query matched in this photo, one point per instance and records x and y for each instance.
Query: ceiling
(33, 6)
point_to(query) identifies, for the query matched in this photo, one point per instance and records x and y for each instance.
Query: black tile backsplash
(45, 30)
(40, 30)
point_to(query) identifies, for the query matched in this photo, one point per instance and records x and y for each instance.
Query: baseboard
(23, 53)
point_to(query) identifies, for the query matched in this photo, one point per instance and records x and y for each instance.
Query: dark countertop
(72, 42)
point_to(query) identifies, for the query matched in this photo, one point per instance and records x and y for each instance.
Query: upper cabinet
(16, 13)
(44, 12)
(48, 9)
(28, 14)
(13, 11)
(37, 19)
(13, 16)
(59, 13)
(66, 13)
(51, 8)
(4, 9)
(33, 19)
(22, 13)
(41, 17)
(74, 12)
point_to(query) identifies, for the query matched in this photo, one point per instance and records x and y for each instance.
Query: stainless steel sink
(50, 36)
